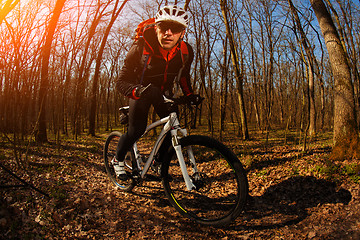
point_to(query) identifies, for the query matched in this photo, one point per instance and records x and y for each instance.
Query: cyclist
(146, 81)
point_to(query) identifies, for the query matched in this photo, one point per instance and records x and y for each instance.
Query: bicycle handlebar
(193, 100)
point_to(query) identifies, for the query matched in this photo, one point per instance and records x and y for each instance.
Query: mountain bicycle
(201, 177)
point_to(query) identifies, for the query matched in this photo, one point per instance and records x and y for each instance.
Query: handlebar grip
(190, 100)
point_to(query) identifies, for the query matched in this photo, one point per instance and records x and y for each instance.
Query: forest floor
(295, 195)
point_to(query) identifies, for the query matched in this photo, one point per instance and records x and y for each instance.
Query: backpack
(149, 23)
(146, 58)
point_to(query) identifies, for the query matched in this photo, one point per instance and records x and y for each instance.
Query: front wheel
(221, 182)
(109, 160)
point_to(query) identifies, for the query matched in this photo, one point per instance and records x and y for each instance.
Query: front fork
(175, 142)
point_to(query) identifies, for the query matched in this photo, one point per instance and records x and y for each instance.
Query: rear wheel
(221, 182)
(109, 159)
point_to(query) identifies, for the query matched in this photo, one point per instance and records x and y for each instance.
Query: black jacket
(159, 72)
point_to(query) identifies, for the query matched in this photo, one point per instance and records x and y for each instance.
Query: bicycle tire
(109, 153)
(222, 190)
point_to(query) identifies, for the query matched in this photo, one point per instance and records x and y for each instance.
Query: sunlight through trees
(266, 67)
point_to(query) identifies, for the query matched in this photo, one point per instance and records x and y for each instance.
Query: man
(146, 80)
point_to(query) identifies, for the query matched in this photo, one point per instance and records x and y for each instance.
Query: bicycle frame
(192, 167)
(172, 125)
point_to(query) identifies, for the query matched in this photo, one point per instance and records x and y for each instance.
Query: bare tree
(253, 61)
(93, 101)
(310, 61)
(346, 136)
(206, 35)
(86, 54)
(224, 86)
(6, 8)
(347, 33)
(41, 135)
(238, 73)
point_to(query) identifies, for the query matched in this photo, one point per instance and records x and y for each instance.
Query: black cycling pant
(138, 115)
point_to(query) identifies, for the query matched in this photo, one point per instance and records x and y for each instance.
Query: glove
(141, 91)
(195, 99)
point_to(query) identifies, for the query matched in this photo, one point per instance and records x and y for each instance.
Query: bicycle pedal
(123, 177)
(156, 167)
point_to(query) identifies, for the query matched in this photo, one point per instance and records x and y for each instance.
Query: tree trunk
(346, 136)
(254, 71)
(94, 91)
(312, 109)
(223, 90)
(8, 6)
(310, 66)
(238, 74)
(347, 36)
(93, 99)
(84, 68)
(41, 135)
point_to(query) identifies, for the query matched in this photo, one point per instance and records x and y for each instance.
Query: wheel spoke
(109, 154)
(221, 183)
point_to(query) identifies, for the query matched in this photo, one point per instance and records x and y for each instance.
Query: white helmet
(172, 14)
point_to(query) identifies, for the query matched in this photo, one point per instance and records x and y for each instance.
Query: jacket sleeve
(128, 77)
(185, 75)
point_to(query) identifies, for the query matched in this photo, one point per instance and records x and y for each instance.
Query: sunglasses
(175, 28)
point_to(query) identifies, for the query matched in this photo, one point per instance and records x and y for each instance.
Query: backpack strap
(146, 48)
(145, 60)
(184, 52)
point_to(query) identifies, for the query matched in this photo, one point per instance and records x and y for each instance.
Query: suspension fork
(175, 142)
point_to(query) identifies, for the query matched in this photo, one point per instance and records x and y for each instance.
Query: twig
(23, 181)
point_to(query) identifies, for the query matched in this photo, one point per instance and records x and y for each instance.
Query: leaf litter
(292, 197)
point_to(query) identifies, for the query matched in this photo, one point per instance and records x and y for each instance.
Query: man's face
(168, 34)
